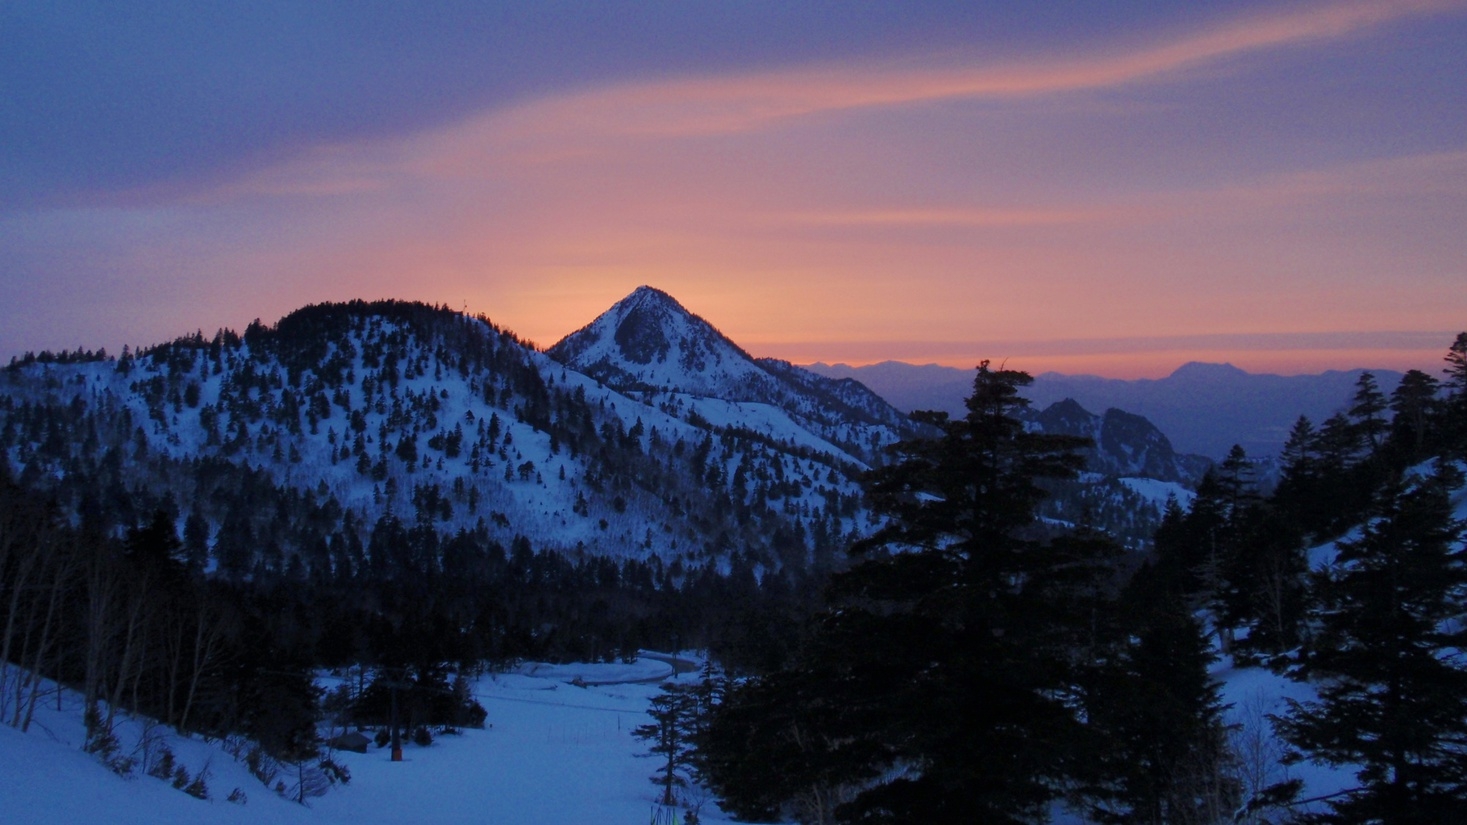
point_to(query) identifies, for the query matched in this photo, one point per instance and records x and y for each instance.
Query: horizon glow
(1277, 186)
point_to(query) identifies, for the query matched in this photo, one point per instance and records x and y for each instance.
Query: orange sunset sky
(1104, 188)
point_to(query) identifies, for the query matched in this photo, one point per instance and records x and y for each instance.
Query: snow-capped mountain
(648, 344)
(648, 341)
(362, 412)
(646, 435)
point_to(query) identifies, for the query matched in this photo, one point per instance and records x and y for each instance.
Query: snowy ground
(1251, 695)
(1157, 492)
(553, 752)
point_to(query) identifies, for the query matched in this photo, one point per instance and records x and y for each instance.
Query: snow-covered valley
(558, 747)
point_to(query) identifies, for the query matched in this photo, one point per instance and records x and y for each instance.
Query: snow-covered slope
(433, 418)
(46, 776)
(1254, 694)
(552, 753)
(647, 343)
(646, 434)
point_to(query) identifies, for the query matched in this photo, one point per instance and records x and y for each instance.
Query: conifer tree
(1238, 484)
(1333, 497)
(1367, 412)
(788, 744)
(1298, 494)
(1456, 370)
(1297, 458)
(1455, 406)
(668, 737)
(1413, 402)
(954, 652)
(1339, 443)
(1392, 684)
(1170, 574)
(1160, 713)
(1265, 583)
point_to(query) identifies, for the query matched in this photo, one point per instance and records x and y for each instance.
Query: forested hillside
(191, 530)
(972, 669)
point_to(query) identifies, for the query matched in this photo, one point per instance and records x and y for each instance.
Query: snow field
(551, 752)
(1157, 492)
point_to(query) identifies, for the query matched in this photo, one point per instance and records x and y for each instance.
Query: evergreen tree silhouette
(1385, 654)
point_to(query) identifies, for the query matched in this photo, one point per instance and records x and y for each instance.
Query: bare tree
(23, 536)
(101, 584)
(207, 643)
(1257, 753)
(62, 564)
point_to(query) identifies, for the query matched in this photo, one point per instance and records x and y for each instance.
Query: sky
(1108, 188)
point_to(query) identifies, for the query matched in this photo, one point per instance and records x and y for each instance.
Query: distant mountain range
(1203, 408)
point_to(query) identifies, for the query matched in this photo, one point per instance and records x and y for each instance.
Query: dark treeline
(975, 667)
(45, 356)
(123, 620)
(1242, 553)
(159, 558)
(123, 609)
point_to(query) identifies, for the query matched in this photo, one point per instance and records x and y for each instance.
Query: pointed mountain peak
(1068, 417)
(648, 323)
(649, 343)
(644, 296)
(649, 340)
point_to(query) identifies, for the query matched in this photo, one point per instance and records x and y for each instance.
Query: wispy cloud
(1416, 176)
(1094, 216)
(1425, 180)
(963, 217)
(591, 125)
(727, 104)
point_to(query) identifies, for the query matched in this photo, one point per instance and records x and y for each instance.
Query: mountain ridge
(421, 414)
(1203, 408)
(649, 343)
(673, 444)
